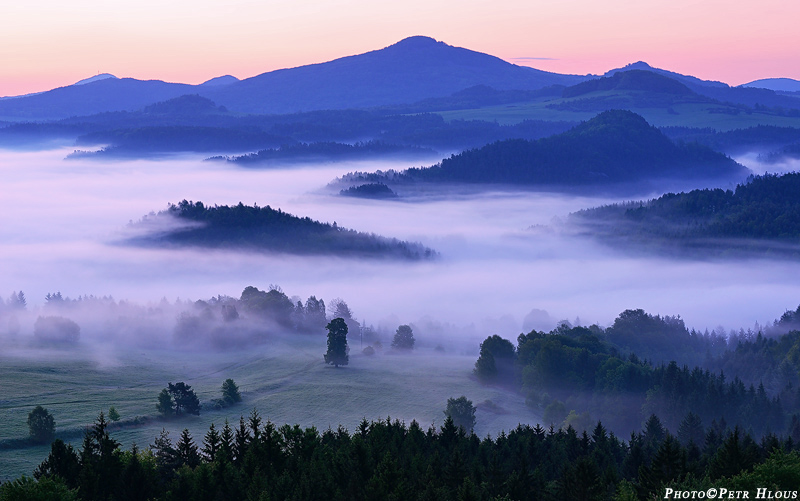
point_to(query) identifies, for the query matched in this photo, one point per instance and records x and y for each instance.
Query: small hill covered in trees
(762, 214)
(629, 80)
(650, 364)
(266, 229)
(614, 147)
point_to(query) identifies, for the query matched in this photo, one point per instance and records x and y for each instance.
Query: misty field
(286, 382)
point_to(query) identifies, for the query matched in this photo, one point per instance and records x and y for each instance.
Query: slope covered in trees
(647, 364)
(272, 230)
(614, 147)
(762, 214)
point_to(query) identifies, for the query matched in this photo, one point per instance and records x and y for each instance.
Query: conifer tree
(337, 343)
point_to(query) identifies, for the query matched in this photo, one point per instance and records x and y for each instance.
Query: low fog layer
(501, 260)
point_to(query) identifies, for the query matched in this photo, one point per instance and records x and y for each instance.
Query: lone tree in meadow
(185, 399)
(403, 338)
(462, 412)
(165, 405)
(41, 424)
(177, 399)
(337, 343)
(230, 392)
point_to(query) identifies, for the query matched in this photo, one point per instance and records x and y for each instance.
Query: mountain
(109, 94)
(747, 96)
(641, 80)
(687, 80)
(411, 70)
(775, 84)
(614, 147)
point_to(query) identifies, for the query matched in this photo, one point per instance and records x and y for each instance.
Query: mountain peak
(99, 76)
(638, 65)
(417, 42)
(223, 80)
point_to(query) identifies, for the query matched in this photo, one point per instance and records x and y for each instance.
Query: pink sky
(47, 43)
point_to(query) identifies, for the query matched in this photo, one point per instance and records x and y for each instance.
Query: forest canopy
(761, 214)
(266, 229)
(616, 146)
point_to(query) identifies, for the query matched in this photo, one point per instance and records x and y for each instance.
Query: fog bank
(61, 223)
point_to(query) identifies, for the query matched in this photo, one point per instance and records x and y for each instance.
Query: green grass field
(286, 383)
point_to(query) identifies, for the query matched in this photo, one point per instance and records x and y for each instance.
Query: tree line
(575, 374)
(765, 209)
(388, 459)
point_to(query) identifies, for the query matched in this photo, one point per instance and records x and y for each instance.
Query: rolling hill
(614, 147)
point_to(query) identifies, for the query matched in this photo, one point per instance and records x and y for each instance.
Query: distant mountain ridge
(413, 69)
(687, 80)
(410, 70)
(775, 84)
(745, 95)
(630, 80)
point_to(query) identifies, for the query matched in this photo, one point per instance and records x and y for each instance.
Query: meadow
(285, 381)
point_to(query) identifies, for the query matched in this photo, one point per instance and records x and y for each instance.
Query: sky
(48, 43)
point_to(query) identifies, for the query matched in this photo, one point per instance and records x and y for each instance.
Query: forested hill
(765, 210)
(266, 229)
(615, 146)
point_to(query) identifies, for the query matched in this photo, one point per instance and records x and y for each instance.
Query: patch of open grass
(286, 382)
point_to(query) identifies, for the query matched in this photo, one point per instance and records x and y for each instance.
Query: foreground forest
(392, 460)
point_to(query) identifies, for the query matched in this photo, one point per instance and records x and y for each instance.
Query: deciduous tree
(462, 412)
(403, 338)
(41, 424)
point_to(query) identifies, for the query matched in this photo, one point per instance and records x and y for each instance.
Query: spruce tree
(337, 343)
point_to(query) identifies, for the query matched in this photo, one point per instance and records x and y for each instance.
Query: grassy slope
(287, 384)
(688, 114)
